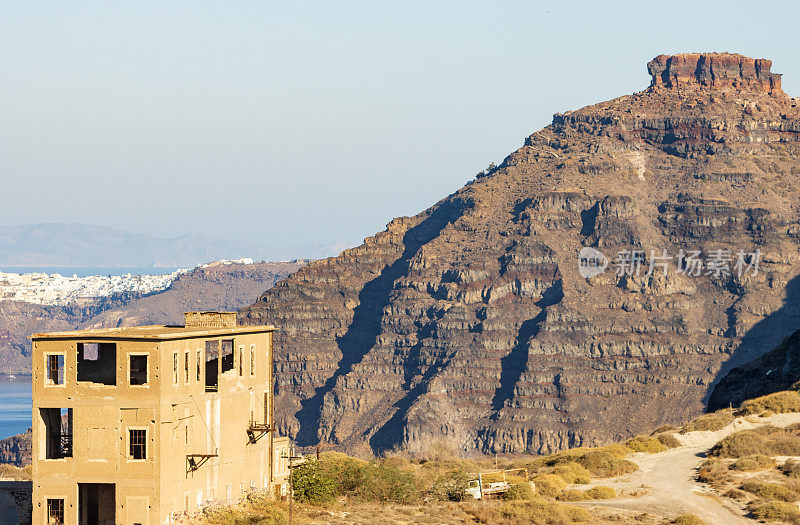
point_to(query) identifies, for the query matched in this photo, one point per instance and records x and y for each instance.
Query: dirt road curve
(669, 477)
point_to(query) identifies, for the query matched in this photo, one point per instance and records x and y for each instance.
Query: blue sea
(15, 407)
(85, 271)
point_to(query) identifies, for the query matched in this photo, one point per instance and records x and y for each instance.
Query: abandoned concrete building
(133, 425)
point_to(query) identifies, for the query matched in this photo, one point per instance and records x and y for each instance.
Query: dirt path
(668, 478)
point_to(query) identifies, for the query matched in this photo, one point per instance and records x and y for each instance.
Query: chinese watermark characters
(715, 263)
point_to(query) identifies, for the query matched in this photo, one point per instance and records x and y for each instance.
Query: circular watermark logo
(591, 262)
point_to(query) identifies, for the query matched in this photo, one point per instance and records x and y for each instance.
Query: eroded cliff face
(470, 322)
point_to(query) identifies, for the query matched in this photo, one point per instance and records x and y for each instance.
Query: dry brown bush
(779, 402)
(713, 421)
(766, 440)
(753, 463)
(771, 491)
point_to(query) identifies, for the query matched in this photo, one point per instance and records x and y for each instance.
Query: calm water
(85, 271)
(15, 408)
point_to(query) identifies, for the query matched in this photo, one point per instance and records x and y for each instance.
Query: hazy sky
(293, 122)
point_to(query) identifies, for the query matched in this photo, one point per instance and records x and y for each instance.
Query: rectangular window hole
(55, 369)
(227, 355)
(138, 366)
(97, 363)
(212, 366)
(57, 424)
(137, 440)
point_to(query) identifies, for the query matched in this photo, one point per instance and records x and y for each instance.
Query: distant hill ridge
(60, 244)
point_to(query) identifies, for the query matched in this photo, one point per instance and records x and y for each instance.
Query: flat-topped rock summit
(473, 321)
(715, 70)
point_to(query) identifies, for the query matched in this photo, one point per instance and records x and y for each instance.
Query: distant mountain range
(57, 244)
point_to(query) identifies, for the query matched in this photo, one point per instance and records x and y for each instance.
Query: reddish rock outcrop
(717, 70)
(470, 322)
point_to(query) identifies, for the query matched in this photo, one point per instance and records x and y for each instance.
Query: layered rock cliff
(471, 322)
(16, 450)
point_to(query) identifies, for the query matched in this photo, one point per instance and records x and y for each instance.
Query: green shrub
(606, 464)
(574, 495)
(779, 402)
(347, 472)
(713, 422)
(549, 485)
(668, 440)
(753, 463)
(313, 484)
(791, 468)
(518, 492)
(385, 482)
(687, 519)
(573, 472)
(451, 485)
(541, 511)
(650, 445)
(770, 491)
(257, 507)
(601, 492)
(766, 440)
(663, 429)
(776, 511)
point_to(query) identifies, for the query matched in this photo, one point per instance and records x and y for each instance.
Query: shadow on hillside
(365, 327)
(728, 387)
(514, 364)
(390, 434)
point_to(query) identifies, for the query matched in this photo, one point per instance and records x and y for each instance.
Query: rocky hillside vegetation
(474, 321)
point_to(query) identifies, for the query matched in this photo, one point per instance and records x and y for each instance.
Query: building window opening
(137, 442)
(227, 355)
(186, 376)
(175, 367)
(241, 351)
(252, 360)
(138, 367)
(212, 366)
(96, 503)
(97, 363)
(55, 511)
(199, 360)
(55, 369)
(57, 431)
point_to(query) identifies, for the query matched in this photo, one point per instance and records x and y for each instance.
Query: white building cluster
(59, 290)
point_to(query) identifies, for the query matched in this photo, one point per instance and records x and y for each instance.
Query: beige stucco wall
(199, 422)
(180, 418)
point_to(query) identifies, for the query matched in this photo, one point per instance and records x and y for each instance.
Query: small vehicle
(478, 489)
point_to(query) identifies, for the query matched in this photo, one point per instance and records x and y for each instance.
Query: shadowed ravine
(366, 324)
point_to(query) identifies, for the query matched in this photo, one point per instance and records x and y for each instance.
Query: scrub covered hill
(473, 321)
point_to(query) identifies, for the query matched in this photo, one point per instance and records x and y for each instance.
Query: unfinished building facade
(133, 425)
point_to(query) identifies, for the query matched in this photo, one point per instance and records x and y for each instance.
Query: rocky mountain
(67, 245)
(475, 321)
(774, 371)
(211, 287)
(16, 450)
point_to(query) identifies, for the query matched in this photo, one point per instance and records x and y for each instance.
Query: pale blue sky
(293, 122)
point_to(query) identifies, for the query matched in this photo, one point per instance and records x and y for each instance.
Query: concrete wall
(199, 422)
(15, 502)
(102, 415)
